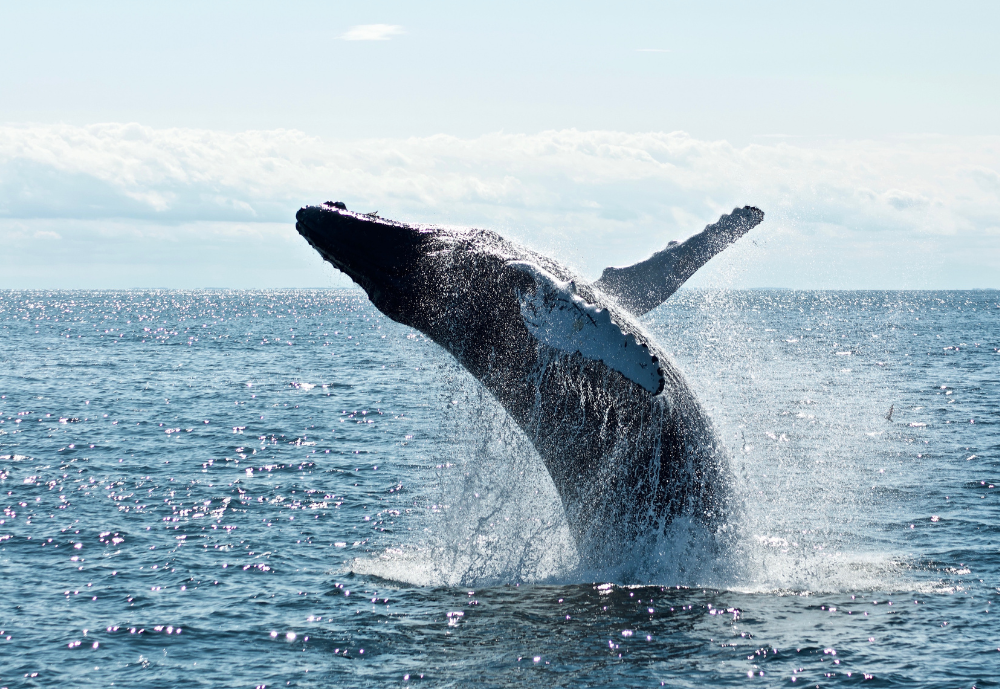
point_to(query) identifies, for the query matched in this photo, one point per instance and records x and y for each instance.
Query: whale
(629, 448)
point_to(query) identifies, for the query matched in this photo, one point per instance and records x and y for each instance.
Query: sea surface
(286, 489)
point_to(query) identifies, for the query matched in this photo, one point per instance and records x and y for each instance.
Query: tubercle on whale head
(380, 255)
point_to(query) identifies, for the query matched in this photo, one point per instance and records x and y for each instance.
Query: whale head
(380, 255)
(478, 295)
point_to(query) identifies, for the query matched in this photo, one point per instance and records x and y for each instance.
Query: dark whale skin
(625, 462)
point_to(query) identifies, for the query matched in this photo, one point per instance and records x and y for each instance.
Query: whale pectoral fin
(644, 286)
(566, 323)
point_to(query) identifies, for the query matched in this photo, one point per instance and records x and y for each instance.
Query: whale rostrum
(627, 445)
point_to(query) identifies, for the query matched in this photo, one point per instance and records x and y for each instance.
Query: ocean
(285, 488)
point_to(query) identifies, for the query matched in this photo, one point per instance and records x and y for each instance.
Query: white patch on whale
(559, 318)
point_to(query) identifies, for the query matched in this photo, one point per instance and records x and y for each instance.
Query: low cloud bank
(902, 212)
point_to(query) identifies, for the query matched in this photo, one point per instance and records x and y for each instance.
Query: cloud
(915, 211)
(372, 32)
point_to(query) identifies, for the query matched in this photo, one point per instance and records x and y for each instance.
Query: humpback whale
(628, 446)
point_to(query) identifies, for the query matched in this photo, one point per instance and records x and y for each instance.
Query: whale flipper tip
(758, 214)
(645, 285)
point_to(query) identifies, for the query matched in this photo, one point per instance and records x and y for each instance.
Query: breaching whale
(626, 443)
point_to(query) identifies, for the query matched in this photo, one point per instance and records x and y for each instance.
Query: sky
(170, 144)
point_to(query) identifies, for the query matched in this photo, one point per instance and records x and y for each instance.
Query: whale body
(627, 445)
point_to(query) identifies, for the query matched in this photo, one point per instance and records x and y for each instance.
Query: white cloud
(372, 32)
(916, 211)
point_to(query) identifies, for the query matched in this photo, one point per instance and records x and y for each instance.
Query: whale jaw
(378, 254)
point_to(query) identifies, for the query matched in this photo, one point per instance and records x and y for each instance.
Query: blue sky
(169, 144)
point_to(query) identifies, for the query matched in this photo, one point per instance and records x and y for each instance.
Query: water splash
(804, 442)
